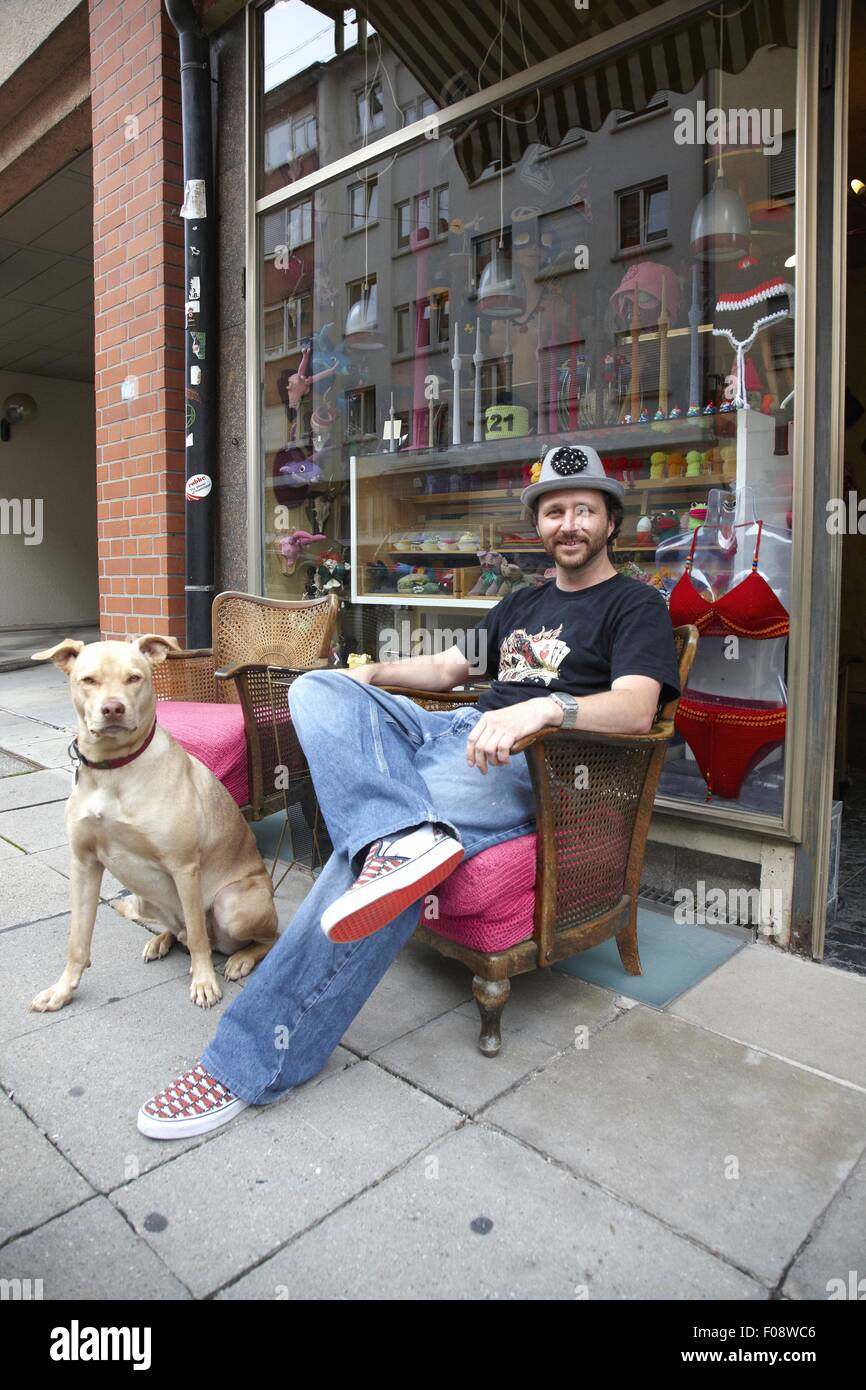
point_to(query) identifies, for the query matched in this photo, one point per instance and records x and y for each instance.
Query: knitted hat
(571, 466)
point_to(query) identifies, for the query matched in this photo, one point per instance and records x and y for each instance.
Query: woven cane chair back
(270, 632)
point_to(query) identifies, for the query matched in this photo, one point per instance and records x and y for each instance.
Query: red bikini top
(750, 609)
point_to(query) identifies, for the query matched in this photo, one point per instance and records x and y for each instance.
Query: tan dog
(160, 822)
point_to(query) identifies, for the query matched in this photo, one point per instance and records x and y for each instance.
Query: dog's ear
(155, 647)
(63, 655)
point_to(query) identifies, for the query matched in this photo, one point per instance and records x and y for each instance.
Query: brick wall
(138, 274)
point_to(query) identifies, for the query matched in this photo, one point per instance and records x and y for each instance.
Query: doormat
(674, 957)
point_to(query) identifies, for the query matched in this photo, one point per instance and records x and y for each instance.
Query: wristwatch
(569, 705)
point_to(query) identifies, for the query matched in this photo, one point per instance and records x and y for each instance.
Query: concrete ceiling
(46, 277)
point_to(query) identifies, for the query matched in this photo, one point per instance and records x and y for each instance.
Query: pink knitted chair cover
(215, 735)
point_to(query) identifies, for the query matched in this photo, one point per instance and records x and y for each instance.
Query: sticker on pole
(197, 487)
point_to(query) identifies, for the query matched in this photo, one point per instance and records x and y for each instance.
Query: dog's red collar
(108, 763)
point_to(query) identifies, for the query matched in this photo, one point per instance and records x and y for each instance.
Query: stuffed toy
(514, 578)
(290, 546)
(490, 578)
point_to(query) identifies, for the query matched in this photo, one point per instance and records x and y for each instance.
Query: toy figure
(290, 546)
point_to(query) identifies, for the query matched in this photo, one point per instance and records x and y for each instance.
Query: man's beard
(575, 559)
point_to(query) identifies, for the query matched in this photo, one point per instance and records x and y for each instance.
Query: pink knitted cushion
(215, 735)
(488, 902)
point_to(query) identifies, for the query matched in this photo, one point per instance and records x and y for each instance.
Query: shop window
(363, 203)
(361, 412)
(783, 170)
(369, 109)
(643, 215)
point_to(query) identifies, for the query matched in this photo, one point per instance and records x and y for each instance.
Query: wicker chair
(259, 645)
(590, 846)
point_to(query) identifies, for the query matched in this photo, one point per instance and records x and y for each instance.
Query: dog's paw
(157, 946)
(239, 965)
(205, 992)
(50, 1000)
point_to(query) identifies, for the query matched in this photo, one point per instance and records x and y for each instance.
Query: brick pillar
(139, 294)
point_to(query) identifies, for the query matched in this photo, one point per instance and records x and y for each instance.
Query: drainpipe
(201, 319)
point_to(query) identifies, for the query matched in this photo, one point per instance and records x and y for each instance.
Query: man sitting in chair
(408, 793)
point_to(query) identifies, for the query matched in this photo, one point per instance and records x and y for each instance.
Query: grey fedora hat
(571, 466)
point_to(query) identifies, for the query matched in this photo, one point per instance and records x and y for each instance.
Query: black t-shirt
(543, 639)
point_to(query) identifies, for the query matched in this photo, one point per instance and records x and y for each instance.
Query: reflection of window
(658, 103)
(417, 110)
(441, 210)
(361, 412)
(402, 328)
(289, 139)
(432, 321)
(558, 234)
(288, 226)
(643, 215)
(493, 382)
(484, 248)
(363, 203)
(303, 133)
(783, 169)
(286, 325)
(412, 214)
(369, 109)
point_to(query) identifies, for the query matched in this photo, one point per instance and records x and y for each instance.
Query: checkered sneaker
(397, 871)
(192, 1104)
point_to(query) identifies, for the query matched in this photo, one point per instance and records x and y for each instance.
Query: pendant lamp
(361, 332)
(720, 227)
(721, 230)
(501, 291)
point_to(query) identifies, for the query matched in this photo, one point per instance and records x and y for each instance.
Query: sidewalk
(709, 1148)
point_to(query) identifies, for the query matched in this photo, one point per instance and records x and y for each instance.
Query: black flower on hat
(568, 460)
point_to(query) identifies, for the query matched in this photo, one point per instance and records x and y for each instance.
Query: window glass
(593, 261)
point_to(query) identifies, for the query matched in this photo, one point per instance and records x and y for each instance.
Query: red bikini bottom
(729, 738)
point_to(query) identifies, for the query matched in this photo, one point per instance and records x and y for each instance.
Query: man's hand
(364, 673)
(498, 730)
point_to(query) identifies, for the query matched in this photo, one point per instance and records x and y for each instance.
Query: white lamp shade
(721, 230)
(501, 292)
(362, 324)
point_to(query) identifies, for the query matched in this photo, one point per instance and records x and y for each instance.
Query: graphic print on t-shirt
(534, 657)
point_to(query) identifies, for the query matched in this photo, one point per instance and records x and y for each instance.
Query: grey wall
(24, 25)
(51, 458)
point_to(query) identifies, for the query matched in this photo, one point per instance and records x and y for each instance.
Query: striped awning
(449, 46)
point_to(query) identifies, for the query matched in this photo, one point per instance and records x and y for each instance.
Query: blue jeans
(380, 764)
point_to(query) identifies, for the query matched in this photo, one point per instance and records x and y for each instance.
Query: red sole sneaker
(377, 913)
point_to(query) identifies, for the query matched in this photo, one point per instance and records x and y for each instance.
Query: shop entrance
(845, 942)
(48, 564)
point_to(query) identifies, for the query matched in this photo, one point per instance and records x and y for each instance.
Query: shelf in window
(679, 483)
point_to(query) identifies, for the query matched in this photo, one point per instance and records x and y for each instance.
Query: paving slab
(45, 750)
(34, 789)
(725, 1144)
(836, 1250)
(60, 860)
(10, 765)
(443, 1057)
(8, 850)
(803, 1010)
(34, 956)
(38, 1182)
(297, 1160)
(479, 1216)
(418, 986)
(556, 1008)
(35, 827)
(84, 1078)
(90, 1253)
(31, 891)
